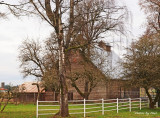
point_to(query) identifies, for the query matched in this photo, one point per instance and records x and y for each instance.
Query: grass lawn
(29, 111)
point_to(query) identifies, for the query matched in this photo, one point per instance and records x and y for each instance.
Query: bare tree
(6, 96)
(30, 52)
(152, 10)
(141, 65)
(40, 62)
(94, 18)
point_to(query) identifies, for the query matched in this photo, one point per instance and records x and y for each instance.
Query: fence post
(156, 104)
(102, 106)
(130, 104)
(117, 105)
(148, 102)
(37, 109)
(140, 103)
(84, 108)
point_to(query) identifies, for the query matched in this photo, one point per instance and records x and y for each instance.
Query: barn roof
(27, 87)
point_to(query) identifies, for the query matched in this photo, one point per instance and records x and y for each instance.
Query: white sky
(13, 31)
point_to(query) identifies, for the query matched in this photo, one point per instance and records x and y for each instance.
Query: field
(29, 111)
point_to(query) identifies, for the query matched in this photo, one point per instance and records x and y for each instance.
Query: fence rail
(89, 106)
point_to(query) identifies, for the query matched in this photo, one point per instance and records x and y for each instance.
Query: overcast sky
(13, 31)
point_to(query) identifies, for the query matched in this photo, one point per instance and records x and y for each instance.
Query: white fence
(89, 106)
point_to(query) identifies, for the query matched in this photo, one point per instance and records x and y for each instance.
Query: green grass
(29, 111)
(19, 111)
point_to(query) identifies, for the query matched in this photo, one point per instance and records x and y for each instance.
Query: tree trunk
(8, 99)
(38, 95)
(86, 89)
(63, 86)
(63, 97)
(62, 75)
(1, 102)
(56, 19)
(152, 102)
(151, 105)
(86, 96)
(5, 105)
